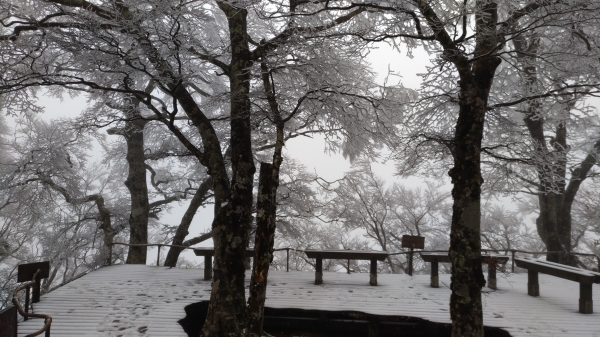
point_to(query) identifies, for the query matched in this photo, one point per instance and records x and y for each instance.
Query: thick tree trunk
(138, 189)
(227, 314)
(554, 221)
(465, 235)
(263, 247)
(465, 242)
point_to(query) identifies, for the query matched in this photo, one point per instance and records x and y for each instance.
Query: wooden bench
(585, 278)
(369, 255)
(208, 253)
(491, 260)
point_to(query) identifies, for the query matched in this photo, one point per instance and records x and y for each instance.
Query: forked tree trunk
(555, 197)
(227, 314)
(266, 209)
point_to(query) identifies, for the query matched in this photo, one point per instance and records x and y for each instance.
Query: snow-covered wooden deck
(134, 300)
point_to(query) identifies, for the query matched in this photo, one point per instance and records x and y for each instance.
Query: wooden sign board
(26, 271)
(410, 241)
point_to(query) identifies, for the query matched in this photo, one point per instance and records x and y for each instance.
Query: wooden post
(158, 256)
(435, 278)
(207, 267)
(513, 260)
(26, 302)
(110, 254)
(533, 286)
(410, 262)
(373, 326)
(9, 321)
(373, 275)
(35, 292)
(491, 281)
(287, 263)
(586, 305)
(319, 271)
(348, 266)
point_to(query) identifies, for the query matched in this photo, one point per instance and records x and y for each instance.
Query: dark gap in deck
(321, 323)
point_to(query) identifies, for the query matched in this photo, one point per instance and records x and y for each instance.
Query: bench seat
(208, 253)
(442, 257)
(585, 278)
(369, 255)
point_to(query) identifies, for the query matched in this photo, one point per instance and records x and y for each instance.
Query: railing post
(26, 302)
(110, 254)
(410, 262)
(512, 251)
(36, 289)
(158, 256)
(287, 263)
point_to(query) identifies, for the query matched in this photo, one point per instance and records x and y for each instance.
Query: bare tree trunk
(138, 189)
(227, 314)
(266, 215)
(465, 240)
(186, 221)
(263, 247)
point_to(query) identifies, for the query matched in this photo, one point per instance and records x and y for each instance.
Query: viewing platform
(137, 300)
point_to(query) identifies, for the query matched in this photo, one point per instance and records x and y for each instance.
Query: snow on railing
(287, 249)
(25, 313)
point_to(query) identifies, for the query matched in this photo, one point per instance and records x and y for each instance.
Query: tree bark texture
(138, 189)
(266, 210)
(476, 79)
(227, 314)
(263, 247)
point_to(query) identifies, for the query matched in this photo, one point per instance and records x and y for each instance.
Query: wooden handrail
(25, 314)
(287, 249)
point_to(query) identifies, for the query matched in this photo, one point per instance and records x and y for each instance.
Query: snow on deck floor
(134, 300)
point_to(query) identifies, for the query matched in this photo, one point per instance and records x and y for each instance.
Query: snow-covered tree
(386, 211)
(116, 48)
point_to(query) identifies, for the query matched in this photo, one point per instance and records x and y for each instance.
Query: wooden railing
(160, 245)
(8, 322)
(25, 313)
(513, 252)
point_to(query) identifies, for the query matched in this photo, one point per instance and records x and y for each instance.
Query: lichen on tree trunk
(263, 248)
(227, 314)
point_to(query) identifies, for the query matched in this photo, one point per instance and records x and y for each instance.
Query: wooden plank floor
(136, 300)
